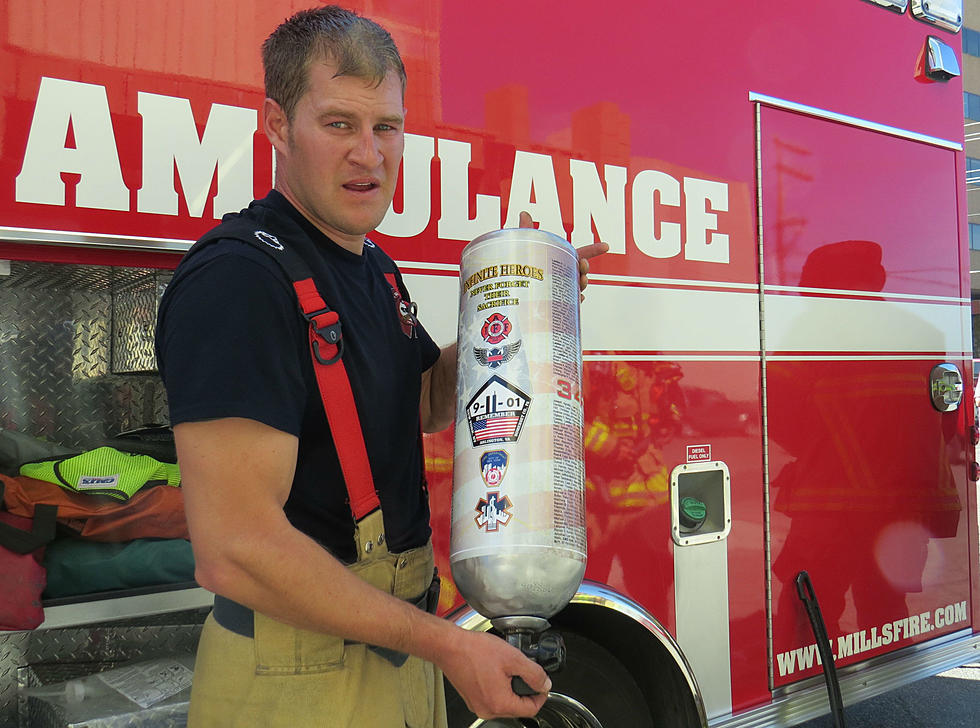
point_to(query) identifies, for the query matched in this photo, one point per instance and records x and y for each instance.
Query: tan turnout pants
(292, 678)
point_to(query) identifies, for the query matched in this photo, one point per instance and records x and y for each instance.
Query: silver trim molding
(799, 703)
(853, 121)
(94, 240)
(109, 610)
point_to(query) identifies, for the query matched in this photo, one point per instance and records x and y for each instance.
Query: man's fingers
(585, 253)
(590, 251)
(538, 700)
(534, 676)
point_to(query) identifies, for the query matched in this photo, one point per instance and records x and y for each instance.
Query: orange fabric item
(154, 512)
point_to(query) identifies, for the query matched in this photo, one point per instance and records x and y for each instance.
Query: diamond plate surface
(134, 316)
(76, 368)
(76, 351)
(46, 656)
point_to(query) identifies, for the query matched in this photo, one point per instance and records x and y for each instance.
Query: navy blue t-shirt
(231, 342)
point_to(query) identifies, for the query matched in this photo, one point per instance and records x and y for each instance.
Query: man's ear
(275, 124)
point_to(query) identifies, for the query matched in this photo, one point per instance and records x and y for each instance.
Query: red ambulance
(777, 347)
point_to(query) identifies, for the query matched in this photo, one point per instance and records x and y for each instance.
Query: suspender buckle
(326, 325)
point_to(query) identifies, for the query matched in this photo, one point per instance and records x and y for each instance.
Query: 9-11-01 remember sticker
(496, 413)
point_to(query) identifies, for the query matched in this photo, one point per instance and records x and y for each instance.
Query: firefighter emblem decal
(406, 309)
(494, 511)
(406, 314)
(496, 355)
(496, 328)
(493, 464)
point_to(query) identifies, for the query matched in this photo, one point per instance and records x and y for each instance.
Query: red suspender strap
(326, 348)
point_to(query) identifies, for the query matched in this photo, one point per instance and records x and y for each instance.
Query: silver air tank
(517, 550)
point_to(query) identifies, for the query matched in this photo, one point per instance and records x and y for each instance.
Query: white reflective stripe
(631, 318)
(652, 323)
(602, 277)
(673, 356)
(418, 265)
(866, 357)
(866, 294)
(814, 324)
(669, 319)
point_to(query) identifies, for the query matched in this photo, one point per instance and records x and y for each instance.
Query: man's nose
(366, 152)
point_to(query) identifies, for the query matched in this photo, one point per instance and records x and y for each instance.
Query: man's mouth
(361, 186)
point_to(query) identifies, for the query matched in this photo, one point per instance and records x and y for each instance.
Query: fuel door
(700, 503)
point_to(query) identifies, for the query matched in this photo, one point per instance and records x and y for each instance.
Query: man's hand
(480, 666)
(585, 253)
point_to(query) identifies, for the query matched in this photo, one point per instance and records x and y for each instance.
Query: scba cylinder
(518, 516)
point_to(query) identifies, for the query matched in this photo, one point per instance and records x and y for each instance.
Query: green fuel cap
(692, 513)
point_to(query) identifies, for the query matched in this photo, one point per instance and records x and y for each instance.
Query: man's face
(339, 159)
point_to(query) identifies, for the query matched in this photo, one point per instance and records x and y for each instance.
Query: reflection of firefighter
(863, 491)
(640, 409)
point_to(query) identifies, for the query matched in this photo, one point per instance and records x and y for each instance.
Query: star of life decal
(494, 511)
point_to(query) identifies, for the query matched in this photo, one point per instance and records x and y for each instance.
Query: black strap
(240, 619)
(807, 595)
(42, 529)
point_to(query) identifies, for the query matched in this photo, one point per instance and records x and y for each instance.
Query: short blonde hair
(357, 45)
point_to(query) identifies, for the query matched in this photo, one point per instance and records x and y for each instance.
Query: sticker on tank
(497, 412)
(496, 328)
(494, 356)
(493, 467)
(494, 511)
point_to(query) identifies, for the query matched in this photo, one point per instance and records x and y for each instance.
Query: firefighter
(316, 621)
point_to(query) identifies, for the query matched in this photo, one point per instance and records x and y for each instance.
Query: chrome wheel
(593, 690)
(560, 711)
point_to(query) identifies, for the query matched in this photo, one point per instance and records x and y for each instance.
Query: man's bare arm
(437, 403)
(236, 477)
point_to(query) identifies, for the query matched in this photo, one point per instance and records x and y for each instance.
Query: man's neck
(353, 243)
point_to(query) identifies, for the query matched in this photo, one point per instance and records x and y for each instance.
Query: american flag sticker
(496, 412)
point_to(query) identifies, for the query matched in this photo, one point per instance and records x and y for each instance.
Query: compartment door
(863, 296)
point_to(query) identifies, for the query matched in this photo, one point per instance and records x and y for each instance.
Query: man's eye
(337, 124)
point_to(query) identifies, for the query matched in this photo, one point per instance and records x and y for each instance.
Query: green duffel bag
(77, 567)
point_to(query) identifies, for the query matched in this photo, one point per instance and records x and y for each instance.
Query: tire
(592, 677)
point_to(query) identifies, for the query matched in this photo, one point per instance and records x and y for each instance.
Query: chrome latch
(946, 387)
(940, 58)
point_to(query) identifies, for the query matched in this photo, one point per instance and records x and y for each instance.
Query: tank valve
(530, 636)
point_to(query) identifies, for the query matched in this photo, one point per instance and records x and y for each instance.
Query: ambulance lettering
(601, 203)
(71, 131)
